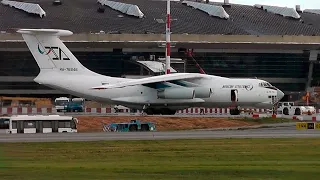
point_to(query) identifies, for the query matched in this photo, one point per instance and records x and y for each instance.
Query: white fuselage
(249, 93)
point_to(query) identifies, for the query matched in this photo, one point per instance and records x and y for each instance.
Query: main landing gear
(234, 111)
(163, 111)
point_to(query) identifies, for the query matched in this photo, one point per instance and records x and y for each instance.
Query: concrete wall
(181, 38)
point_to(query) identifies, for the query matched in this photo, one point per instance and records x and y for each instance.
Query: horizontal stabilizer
(52, 32)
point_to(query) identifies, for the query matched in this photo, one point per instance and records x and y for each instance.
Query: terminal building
(277, 44)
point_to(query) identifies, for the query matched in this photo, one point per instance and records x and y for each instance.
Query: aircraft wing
(153, 79)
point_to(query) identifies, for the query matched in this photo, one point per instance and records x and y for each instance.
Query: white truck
(68, 104)
(60, 103)
(289, 108)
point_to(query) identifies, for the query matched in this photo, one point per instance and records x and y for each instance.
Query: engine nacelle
(177, 93)
(202, 92)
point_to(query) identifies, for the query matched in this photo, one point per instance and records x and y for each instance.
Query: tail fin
(50, 52)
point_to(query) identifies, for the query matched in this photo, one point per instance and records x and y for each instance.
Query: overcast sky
(305, 4)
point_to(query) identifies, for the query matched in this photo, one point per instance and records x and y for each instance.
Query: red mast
(168, 39)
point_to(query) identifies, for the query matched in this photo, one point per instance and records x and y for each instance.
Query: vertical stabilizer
(50, 52)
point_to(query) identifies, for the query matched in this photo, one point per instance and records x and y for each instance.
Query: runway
(280, 132)
(139, 114)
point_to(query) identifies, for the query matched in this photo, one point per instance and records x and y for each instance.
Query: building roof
(82, 16)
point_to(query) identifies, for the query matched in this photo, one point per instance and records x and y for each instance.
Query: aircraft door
(234, 95)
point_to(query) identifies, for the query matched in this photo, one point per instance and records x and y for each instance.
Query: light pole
(168, 38)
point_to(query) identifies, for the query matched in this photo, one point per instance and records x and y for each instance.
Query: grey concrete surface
(273, 132)
(199, 38)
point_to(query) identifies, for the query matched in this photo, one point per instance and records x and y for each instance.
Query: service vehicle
(42, 124)
(4, 124)
(64, 104)
(75, 105)
(133, 125)
(60, 103)
(289, 108)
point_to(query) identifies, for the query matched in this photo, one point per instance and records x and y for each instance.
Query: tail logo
(57, 52)
(42, 52)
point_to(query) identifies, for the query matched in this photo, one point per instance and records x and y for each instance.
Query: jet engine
(177, 93)
(202, 92)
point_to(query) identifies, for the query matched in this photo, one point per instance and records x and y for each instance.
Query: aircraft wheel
(144, 127)
(297, 111)
(285, 111)
(167, 111)
(231, 111)
(173, 112)
(157, 111)
(149, 111)
(133, 127)
(235, 111)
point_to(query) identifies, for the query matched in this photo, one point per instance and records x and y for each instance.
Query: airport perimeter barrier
(108, 110)
(315, 117)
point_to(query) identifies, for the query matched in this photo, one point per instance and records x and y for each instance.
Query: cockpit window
(265, 84)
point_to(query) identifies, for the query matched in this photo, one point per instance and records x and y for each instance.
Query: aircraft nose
(280, 94)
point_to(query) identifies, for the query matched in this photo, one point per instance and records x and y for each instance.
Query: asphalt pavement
(270, 132)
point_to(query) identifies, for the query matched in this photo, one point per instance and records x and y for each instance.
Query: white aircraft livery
(163, 94)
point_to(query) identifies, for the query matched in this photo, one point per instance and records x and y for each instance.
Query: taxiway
(274, 132)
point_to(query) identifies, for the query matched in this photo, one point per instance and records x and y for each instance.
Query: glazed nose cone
(280, 94)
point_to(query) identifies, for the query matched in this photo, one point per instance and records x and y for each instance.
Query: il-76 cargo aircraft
(163, 94)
